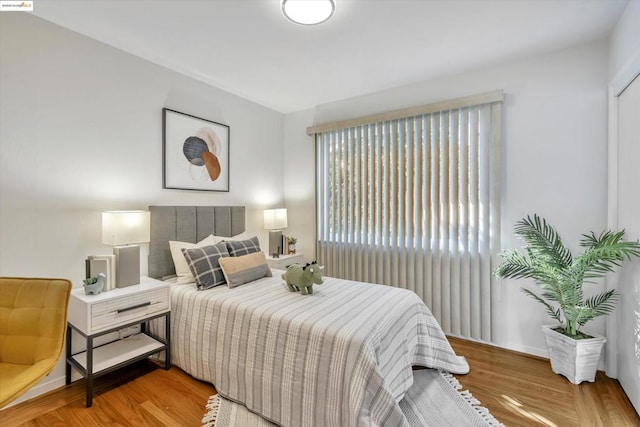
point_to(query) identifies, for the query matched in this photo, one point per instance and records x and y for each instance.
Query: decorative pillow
(182, 269)
(243, 247)
(204, 264)
(244, 269)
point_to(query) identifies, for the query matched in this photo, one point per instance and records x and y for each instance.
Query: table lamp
(275, 220)
(121, 229)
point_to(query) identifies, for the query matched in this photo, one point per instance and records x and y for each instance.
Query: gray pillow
(243, 247)
(205, 266)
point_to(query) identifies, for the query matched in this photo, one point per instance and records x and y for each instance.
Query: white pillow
(242, 236)
(179, 261)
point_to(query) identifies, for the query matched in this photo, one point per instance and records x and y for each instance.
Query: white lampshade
(275, 219)
(125, 227)
(308, 12)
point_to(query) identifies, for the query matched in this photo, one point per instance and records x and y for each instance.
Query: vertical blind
(413, 202)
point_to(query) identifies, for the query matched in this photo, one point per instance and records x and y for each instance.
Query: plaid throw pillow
(205, 266)
(243, 247)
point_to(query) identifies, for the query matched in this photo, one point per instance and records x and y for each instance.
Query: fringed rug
(434, 399)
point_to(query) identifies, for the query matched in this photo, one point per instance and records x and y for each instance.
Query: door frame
(617, 85)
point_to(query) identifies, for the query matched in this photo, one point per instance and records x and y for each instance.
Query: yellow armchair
(33, 319)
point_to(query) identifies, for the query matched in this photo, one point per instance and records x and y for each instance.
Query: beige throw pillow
(244, 269)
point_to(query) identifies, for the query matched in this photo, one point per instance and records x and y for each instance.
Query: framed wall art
(195, 153)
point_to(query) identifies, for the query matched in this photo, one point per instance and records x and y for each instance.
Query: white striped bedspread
(339, 357)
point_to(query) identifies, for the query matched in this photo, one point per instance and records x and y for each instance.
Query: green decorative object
(560, 276)
(301, 278)
(94, 285)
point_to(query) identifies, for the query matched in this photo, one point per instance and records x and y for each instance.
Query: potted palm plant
(561, 276)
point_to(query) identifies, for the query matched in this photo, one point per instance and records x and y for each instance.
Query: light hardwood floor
(518, 389)
(521, 390)
(142, 394)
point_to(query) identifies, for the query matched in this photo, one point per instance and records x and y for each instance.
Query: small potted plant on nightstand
(94, 285)
(292, 244)
(560, 276)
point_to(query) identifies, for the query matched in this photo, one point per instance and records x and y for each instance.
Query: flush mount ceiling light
(308, 12)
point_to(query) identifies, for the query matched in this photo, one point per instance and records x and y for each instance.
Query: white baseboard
(540, 352)
(535, 351)
(41, 388)
(44, 386)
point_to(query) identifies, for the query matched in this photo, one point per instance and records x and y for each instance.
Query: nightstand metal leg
(89, 371)
(167, 339)
(67, 377)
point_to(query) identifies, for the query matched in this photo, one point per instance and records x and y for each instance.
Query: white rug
(434, 399)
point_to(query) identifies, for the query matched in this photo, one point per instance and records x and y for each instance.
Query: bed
(342, 356)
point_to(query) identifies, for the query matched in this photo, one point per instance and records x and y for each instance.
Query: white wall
(555, 131)
(299, 182)
(81, 132)
(624, 43)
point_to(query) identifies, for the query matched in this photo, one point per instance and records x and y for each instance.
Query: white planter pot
(575, 359)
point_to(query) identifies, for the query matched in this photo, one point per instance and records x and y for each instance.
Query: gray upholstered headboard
(188, 224)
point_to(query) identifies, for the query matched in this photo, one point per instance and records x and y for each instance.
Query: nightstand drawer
(116, 311)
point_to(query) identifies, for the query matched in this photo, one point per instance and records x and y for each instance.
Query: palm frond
(600, 305)
(551, 296)
(542, 239)
(551, 311)
(604, 253)
(514, 266)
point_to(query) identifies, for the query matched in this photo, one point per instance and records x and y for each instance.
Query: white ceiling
(248, 48)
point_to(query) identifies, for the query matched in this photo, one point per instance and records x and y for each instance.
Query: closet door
(629, 218)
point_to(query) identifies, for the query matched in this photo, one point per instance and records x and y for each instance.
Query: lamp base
(127, 265)
(275, 243)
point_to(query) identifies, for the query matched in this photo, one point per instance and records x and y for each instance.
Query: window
(411, 199)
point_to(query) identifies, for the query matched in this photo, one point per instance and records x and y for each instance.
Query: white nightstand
(285, 261)
(96, 315)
